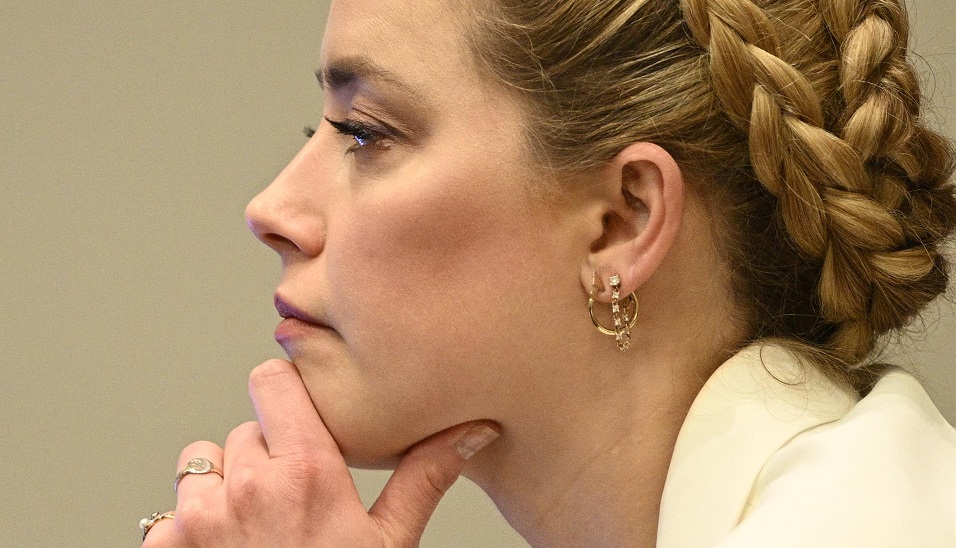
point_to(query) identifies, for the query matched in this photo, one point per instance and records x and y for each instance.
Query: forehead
(421, 42)
(416, 56)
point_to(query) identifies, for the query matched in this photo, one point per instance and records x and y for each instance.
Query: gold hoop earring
(624, 316)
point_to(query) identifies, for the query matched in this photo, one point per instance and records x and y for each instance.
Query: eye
(362, 134)
(365, 135)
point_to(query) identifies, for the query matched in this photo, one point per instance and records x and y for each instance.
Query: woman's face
(406, 225)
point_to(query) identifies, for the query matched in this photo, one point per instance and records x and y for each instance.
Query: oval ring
(198, 465)
(631, 300)
(147, 523)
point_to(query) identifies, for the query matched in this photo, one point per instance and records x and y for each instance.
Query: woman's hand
(286, 484)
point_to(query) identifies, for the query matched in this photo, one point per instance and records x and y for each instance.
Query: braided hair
(798, 121)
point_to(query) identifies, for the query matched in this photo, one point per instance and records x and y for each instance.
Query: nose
(287, 215)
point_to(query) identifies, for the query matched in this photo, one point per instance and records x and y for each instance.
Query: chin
(373, 422)
(368, 438)
(363, 450)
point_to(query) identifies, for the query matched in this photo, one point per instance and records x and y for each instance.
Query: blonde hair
(798, 121)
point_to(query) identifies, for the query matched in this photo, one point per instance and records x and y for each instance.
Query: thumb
(423, 476)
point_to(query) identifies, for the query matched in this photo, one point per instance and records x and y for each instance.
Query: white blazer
(774, 454)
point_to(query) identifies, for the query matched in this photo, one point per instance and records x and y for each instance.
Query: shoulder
(773, 453)
(882, 475)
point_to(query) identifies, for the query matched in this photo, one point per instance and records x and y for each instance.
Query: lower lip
(294, 328)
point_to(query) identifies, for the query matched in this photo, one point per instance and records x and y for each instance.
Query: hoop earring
(624, 316)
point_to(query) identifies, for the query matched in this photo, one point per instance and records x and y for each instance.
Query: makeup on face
(357, 84)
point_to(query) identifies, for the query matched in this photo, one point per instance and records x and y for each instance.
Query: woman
(647, 245)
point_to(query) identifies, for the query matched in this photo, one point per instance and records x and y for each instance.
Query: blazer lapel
(750, 407)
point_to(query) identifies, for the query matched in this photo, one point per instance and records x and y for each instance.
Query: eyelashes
(363, 134)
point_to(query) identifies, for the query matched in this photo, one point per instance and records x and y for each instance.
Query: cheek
(421, 279)
(418, 252)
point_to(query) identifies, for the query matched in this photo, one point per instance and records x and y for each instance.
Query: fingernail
(474, 440)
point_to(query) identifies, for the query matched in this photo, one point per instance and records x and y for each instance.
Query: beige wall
(134, 299)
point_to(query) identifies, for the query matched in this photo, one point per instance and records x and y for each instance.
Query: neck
(582, 459)
(591, 471)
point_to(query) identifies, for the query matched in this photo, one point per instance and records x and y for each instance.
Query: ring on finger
(147, 523)
(199, 465)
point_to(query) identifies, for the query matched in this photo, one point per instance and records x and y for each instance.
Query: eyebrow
(342, 73)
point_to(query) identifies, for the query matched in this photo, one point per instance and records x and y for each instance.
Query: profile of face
(410, 227)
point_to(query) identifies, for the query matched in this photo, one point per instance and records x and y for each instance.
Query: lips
(287, 310)
(297, 327)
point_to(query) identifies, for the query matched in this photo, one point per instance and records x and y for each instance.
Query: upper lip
(287, 310)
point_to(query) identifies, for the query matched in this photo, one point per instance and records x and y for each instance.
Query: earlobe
(644, 204)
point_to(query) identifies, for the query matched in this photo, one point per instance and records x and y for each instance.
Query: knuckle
(307, 470)
(244, 490)
(192, 519)
(188, 510)
(153, 540)
(437, 484)
(244, 430)
(306, 466)
(303, 481)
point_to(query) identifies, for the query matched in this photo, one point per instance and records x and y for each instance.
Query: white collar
(750, 407)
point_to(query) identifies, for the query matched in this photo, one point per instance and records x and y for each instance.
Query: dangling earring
(624, 317)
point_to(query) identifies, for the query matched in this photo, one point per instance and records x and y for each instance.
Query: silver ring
(147, 523)
(199, 465)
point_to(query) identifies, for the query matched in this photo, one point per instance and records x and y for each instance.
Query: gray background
(135, 301)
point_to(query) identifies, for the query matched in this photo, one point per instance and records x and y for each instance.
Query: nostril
(280, 244)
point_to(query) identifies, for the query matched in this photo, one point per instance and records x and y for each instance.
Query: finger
(290, 424)
(160, 533)
(245, 447)
(192, 483)
(422, 478)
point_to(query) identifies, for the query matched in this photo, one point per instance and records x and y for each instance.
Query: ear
(642, 206)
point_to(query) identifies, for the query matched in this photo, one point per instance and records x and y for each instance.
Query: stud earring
(624, 316)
